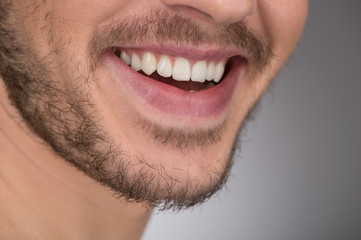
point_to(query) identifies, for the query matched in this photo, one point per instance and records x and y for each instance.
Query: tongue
(185, 85)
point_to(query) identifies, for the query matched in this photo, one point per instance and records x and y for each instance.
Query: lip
(196, 53)
(170, 100)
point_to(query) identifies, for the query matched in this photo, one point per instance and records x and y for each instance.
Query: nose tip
(219, 11)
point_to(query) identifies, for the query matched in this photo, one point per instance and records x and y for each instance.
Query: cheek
(280, 22)
(92, 13)
(86, 12)
(283, 21)
(72, 23)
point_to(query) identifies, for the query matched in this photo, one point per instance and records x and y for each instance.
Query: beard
(70, 123)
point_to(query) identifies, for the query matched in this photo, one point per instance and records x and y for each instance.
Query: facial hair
(69, 122)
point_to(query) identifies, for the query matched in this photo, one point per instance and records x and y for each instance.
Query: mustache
(162, 26)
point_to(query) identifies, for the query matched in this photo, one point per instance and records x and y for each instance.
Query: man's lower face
(148, 103)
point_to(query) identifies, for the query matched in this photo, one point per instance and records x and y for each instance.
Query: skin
(45, 197)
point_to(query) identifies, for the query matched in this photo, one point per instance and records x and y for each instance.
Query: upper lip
(200, 52)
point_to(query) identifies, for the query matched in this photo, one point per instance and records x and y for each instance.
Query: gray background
(299, 173)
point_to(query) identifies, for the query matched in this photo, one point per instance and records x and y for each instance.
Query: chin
(175, 138)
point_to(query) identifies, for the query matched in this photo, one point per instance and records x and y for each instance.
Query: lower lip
(172, 100)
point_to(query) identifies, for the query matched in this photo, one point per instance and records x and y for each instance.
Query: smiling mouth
(180, 83)
(190, 75)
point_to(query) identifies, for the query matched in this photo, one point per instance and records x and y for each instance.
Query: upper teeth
(180, 71)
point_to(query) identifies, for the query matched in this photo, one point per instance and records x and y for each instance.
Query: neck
(44, 197)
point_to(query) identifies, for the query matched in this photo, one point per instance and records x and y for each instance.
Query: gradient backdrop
(298, 176)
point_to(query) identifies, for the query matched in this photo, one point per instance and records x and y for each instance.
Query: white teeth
(135, 62)
(210, 72)
(149, 63)
(125, 58)
(181, 69)
(218, 72)
(199, 71)
(164, 67)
